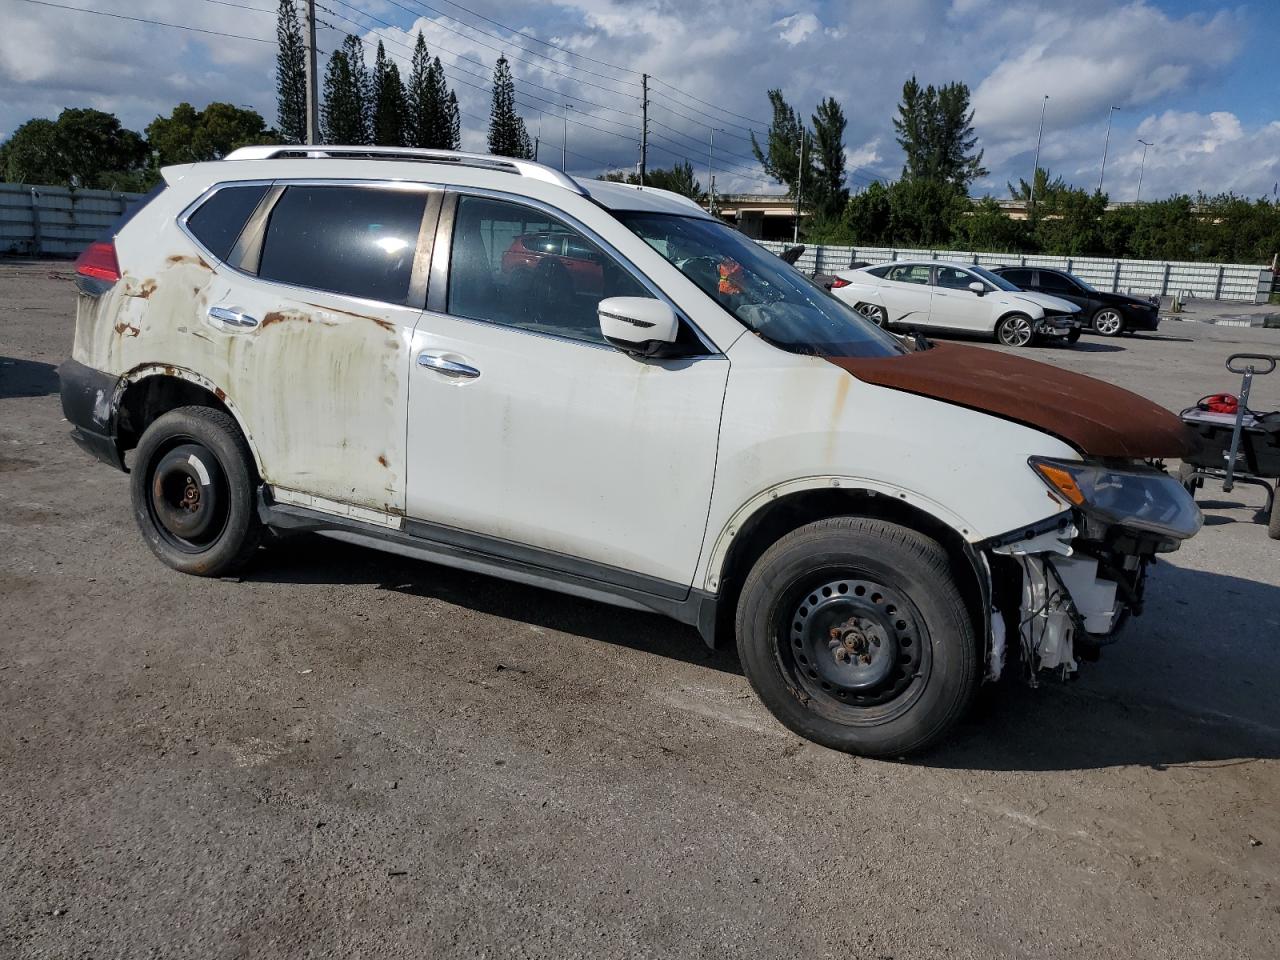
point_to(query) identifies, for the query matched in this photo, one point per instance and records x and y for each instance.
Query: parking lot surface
(347, 753)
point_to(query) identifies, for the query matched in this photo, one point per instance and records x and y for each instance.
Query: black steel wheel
(193, 488)
(854, 634)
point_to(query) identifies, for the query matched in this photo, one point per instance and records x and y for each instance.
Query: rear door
(314, 322)
(908, 294)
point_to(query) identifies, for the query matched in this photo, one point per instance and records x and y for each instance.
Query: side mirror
(643, 326)
(979, 288)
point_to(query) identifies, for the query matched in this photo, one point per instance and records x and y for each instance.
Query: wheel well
(151, 397)
(774, 521)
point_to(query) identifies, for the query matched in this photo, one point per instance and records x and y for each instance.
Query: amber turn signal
(1061, 480)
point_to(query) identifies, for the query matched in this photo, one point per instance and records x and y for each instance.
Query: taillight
(839, 282)
(99, 262)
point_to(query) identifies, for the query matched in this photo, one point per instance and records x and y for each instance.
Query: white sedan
(940, 295)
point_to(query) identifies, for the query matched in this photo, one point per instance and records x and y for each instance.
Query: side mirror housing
(643, 326)
(978, 287)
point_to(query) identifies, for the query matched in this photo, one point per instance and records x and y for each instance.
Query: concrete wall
(1213, 281)
(40, 221)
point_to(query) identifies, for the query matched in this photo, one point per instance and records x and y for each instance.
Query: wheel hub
(855, 640)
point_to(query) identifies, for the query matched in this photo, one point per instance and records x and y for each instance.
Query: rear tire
(193, 486)
(873, 312)
(1273, 525)
(1073, 337)
(854, 634)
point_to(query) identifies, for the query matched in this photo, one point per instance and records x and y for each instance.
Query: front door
(527, 428)
(958, 307)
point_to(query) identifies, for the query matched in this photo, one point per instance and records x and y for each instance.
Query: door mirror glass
(978, 287)
(638, 325)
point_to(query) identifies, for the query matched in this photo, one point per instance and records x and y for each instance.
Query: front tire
(854, 634)
(1015, 330)
(1108, 322)
(193, 487)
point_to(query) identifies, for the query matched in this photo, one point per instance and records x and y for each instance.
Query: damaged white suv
(603, 390)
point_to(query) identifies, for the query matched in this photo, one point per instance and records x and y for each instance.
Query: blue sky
(1196, 77)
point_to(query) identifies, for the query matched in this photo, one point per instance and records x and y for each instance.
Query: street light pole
(312, 77)
(1141, 167)
(795, 236)
(1106, 143)
(1035, 170)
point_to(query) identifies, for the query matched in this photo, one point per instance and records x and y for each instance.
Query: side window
(1019, 278)
(1055, 283)
(911, 273)
(218, 221)
(358, 241)
(879, 271)
(517, 266)
(955, 279)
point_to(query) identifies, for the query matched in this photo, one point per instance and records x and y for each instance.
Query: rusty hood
(1096, 418)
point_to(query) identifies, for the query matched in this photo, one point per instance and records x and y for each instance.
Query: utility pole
(537, 137)
(1141, 167)
(795, 235)
(1106, 143)
(711, 176)
(313, 105)
(644, 125)
(1035, 170)
(564, 144)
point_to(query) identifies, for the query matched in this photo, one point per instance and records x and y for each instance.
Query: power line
(155, 23)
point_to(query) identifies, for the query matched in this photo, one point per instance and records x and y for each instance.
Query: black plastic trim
(544, 568)
(90, 402)
(1059, 521)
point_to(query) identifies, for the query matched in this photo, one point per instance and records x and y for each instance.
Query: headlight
(1140, 499)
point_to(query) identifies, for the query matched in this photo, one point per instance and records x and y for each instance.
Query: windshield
(766, 295)
(1084, 283)
(994, 278)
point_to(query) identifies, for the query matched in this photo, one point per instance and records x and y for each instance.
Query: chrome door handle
(233, 316)
(449, 368)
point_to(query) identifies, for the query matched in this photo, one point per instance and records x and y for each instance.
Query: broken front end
(1064, 588)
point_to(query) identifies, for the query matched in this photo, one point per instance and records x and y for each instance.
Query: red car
(550, 253)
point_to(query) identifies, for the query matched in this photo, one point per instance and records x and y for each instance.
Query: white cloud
(1086, 54)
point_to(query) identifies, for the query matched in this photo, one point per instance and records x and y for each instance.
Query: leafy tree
(291, 75)
(678, 179)
(1047, 188)
(868, 217)
(390, 112)
(780, 156)
(829, 192)
(346, 88)
(82, 148)
(935, 131)
(923, 211)
(507, 134)
(189, 135)
(988, 227)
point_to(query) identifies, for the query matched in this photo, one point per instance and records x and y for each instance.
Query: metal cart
(1243, 447)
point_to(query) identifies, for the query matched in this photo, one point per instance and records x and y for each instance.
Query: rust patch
(147, 289)
(127, 330)
(196, 261)
(384, 324)
(219, 393)
(382, 459)
(281, 316)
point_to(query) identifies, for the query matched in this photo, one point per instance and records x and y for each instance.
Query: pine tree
(935, 131)
(455, 124)
(781, 154)
(507, 135)
(390, 111)
(346, 84)
(828, 192)
(291, 75)
(443, 120)
(361, 85)
(422, 105)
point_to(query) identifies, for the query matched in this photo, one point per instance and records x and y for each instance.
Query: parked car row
(1019, 306)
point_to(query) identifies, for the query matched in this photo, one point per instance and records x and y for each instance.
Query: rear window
(218, 221)
(358, 241)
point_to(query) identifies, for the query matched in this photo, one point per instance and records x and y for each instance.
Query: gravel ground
(350, 754)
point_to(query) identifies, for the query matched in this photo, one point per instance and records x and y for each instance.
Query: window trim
(438, 286)
(251, 255)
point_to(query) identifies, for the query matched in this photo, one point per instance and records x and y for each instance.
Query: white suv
(940, 295)
(603, 390)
